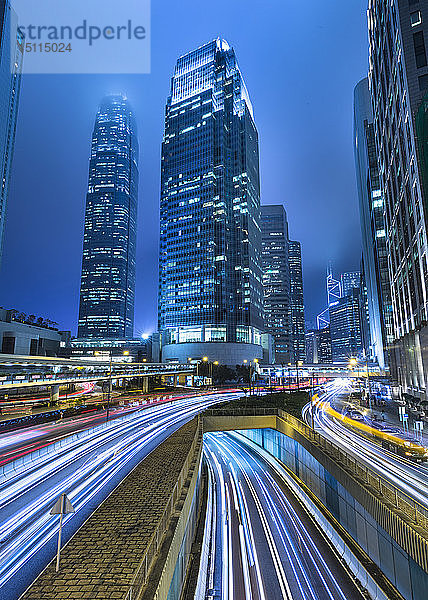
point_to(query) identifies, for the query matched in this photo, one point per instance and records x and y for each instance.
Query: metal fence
(402, 502)
(156, 540)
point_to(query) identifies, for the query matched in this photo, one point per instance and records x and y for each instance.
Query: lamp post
(110, 382)
(245, 361)
(352, 364)
(298, 364)
(253, 369)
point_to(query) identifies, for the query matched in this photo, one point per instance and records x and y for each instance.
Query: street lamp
(255, 361)
(110, 382)
(299, 363)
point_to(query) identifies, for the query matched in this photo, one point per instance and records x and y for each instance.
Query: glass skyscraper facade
(282, 286)
(297, 302)
(109, 244)
(350, 280)
(372, 206)
(276, 280)
(210, 239)
(11, 55)
(345, 327)
(398, 81)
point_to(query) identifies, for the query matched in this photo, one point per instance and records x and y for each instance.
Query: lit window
(416, 18)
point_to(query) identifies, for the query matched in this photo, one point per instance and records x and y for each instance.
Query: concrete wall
(47, 340)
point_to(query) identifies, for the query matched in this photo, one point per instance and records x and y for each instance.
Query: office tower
(318, 346)
(109, 244)
(345, 328)
(297, 303)
(276, 280)
(211, 296)
(398, 79)
(334, 292)
(11, 55)
(349, 281)
(371, 204)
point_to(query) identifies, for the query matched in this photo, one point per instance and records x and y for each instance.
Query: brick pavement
(99, 562)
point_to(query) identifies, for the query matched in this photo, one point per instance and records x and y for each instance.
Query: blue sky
(300, 64)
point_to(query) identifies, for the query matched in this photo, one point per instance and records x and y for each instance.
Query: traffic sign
(62, 506)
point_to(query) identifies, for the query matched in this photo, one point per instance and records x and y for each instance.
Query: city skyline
(146, 261)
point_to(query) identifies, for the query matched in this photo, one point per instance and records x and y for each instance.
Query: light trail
(84, 469)
(268, 546)
(410, 478)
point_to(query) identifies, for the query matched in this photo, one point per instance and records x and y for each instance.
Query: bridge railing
(402, 502)
(155, 542)
(17, 379)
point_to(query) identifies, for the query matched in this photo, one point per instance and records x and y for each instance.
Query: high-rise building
(297, 301)
(371, 204)
(276, 280)
(351, 280)
(318, 346)
(109, 245)
(334, 292)
(398, 80)
(11, 55)
(211, 296)
(345, 327)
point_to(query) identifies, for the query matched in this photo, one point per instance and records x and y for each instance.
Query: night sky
(300, 64)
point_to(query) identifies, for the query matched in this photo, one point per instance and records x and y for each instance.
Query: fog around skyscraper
(109, 245)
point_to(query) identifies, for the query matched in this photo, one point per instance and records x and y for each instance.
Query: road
(87, 469)
(262, 545)
(409, 477)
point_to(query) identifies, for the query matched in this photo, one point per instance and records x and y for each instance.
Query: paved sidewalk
(100, 561)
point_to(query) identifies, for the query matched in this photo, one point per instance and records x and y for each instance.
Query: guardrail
(401, 501)
(240, 412)
(37, 457)
(155, 542)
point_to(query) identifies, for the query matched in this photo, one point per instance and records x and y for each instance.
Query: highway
(87, 469)
(21, 442)
(260, 543)
(409, 477)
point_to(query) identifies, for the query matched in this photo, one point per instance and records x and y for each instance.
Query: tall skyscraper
(11, 55)
(318, 346)
(334, 292)
(109, 244)
(297, 302)
(276, 280)
(398, 79)
(350, 280)
(371, 204)
(211, 297)
(345, 328)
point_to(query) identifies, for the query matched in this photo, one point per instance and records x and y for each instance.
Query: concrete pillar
(54, 394)
(175, 380)
(145, 386)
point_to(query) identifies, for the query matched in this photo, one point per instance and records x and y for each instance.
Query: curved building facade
(109, 246)
(210, 237)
